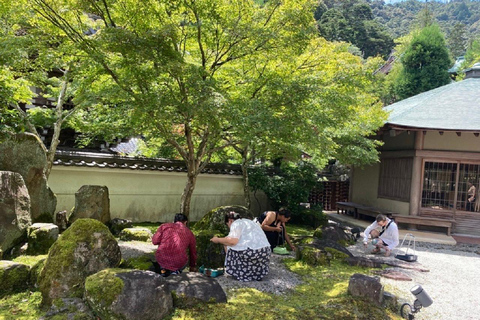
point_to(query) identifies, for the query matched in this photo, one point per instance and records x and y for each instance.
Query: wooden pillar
(416, 183)
(350, 184)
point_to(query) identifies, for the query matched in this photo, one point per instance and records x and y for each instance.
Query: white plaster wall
(449, 141)
(149, 195)
(365, 190)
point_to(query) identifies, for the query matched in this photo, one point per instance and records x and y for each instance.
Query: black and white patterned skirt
(248, 265)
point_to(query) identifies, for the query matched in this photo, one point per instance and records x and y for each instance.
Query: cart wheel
(406, 311)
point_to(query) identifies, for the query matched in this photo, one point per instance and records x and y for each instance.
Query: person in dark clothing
(273, 224)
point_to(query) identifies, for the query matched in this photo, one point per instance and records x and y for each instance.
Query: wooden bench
(424, 221)
(359, 209)
(345, 207)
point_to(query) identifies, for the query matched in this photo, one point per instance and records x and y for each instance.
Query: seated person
(247, 249)
(273, 224)
(388, 236)
(173, 240)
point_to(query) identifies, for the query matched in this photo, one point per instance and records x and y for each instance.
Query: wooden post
(415, 186)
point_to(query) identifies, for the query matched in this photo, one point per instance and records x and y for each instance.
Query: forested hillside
(399, 17)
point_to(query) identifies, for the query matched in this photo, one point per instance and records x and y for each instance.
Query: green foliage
(473, 54)
(352, 21)
(425, 63)
(287, 187)
(457, 40)
(400, 17)
(313, 217)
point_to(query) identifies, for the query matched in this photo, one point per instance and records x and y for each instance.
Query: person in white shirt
(388, 236)
(247, 249)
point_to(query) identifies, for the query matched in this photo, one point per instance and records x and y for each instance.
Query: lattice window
(395, 178)
(439, 185)
(439, 182)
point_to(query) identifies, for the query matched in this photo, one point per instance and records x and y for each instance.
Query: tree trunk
(246, 189)
(58, 125)
(187, 193)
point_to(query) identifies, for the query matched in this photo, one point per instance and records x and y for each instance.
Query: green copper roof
(455, 106)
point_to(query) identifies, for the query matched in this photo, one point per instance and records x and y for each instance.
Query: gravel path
(278, 281)
(453, 281)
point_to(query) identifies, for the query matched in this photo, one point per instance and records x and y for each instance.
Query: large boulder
(13, 277)
(365, 287)
(40, 237)
(24, 153)
(83, 249)
(116, 225)
(128, 294)
(14, 210)
(335, 233)
(191, 288)
(215, 219)
(91, 202)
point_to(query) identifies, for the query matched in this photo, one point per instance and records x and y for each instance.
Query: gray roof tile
(455, 106)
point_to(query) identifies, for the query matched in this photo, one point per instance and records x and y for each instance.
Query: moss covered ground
(323, 295)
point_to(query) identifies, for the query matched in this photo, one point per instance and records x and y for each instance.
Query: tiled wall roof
(98, 160)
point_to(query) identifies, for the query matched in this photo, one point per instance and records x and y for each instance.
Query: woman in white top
(247, 247)
(388, 236)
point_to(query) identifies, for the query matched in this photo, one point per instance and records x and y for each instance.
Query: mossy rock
(136, 234)
(13, 277)
(83, 249)
(335, 233)
(337, 255)
(102, 289)
(209, 254)
(313, 256)
(128, 294)
(36, 264)
(41, 236)
(215, 219)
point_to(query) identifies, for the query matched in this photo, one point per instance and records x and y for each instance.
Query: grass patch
(299, 230)
(21, 306)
